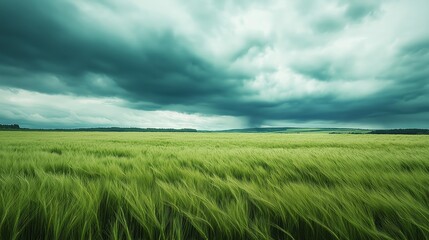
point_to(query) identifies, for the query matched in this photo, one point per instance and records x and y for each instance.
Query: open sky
(214, 64)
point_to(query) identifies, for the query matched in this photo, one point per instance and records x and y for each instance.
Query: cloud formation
(336, 61)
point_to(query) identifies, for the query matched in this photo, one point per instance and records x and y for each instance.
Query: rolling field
(56, 185)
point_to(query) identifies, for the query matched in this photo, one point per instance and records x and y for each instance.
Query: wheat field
(76, 185)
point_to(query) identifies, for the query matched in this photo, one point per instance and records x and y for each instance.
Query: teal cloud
(202, 58)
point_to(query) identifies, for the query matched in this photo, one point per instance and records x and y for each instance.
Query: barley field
(77, 185)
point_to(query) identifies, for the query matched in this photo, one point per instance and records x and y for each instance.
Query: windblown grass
(213, 186)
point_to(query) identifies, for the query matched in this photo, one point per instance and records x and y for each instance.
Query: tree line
(9, 126)
(414, 131)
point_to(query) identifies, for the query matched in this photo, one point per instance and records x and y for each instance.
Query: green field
(57, 185)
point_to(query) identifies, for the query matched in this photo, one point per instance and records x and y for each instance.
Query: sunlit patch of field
(57, 185)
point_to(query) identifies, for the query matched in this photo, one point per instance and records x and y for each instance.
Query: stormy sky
(214, 64)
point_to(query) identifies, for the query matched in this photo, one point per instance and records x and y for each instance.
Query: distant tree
(401, 131)
(9, 126)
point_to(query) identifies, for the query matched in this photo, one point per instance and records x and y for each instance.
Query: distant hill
(118, 129)
(329, 130)
(295, 130)
(257, 130)
(108, 129)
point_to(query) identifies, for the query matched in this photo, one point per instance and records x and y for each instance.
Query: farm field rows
(75, 185)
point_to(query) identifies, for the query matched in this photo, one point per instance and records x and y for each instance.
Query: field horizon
(278, 129)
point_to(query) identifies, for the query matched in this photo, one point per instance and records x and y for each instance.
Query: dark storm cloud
(321, 69)
(358, 10)
(411, 75)
(345, 13)
(219, 58)
(328, 24)
(161, 68)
